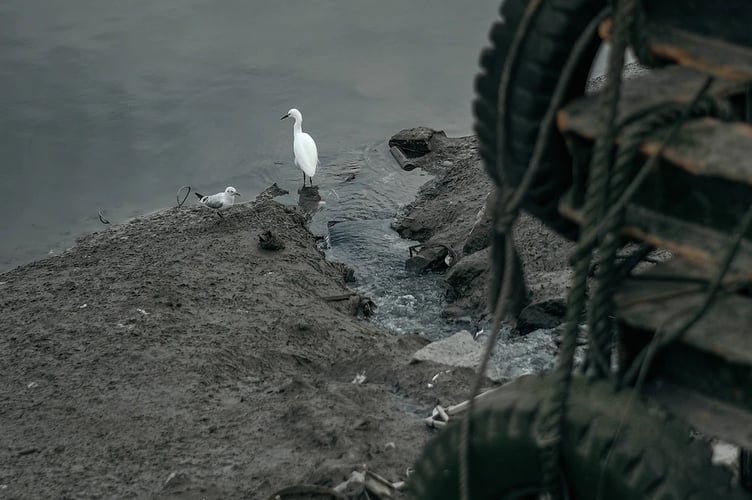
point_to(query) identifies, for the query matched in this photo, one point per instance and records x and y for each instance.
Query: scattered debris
(431, 256)
(439, 412)
(83, 306)
(142, 311)
(402, 160)
(31, 385)
(187, 192)
(379, 486)
(360, 304)
(354, 485)
(440, 416)
(177, 481)
(102, 219)
(359, 378)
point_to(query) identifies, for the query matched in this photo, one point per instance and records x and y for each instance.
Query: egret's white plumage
(220, 201)
(303, 147)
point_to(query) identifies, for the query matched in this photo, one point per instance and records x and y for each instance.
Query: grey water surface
(111, 105)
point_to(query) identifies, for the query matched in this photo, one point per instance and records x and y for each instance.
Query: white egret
(303, 147)
(220, 201)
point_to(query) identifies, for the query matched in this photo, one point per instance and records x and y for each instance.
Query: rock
(469, 274)
(270, 241)
(453, 208)
(480, 234)
(271, 192)
(469, 287)
(430, 257)
(459, 350)
(547, 314)
(414, 142)
(548, 285)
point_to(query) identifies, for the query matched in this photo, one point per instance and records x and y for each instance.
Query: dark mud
(172, 357)
(175, 357)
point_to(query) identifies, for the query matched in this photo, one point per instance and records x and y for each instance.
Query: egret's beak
(286, 116)
(236, 193)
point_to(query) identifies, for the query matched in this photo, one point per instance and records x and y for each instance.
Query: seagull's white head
(232, 191)
(295, 114)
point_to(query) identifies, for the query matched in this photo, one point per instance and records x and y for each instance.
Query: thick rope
(554, 414)
(507, 207)
(699, 106)
(601, 307)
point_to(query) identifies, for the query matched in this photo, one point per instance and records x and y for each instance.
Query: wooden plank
(710, 147)
(708, 415)
(700, 245)
(706, 146)
(709, 54)
(724, 331)
(727, 20)
(661, 86)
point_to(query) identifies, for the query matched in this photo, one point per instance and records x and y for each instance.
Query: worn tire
(542, 55)
(745, 469)
(653, 457)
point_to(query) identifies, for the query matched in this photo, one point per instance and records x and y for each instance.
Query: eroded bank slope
(173, 357)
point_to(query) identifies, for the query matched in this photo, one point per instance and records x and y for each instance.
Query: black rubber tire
(745, 469)
(653, 457)
(543, 53)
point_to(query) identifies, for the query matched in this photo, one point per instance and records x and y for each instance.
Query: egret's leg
(303, 179)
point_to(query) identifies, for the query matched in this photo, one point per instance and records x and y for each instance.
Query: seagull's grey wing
(214, 201)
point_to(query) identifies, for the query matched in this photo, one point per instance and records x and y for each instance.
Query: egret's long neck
(298, 127)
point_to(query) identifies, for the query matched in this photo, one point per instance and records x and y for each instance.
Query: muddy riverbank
(173, 356)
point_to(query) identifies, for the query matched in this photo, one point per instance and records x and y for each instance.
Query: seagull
(303, 146)
(220, 201)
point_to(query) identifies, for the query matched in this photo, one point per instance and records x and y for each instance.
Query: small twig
(102, 219)
(188, 191)
(434, 424)
(461, 407)
(379, 485)
(442, 413)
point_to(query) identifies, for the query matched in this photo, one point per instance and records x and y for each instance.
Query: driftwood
(359, 303)
(440, 416)
(402, 160)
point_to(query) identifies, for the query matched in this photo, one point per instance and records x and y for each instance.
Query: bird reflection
(310, 200)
